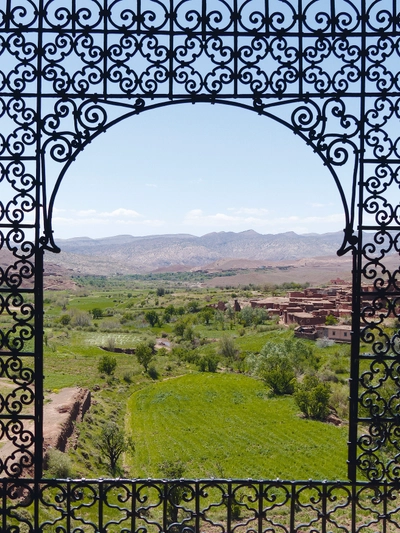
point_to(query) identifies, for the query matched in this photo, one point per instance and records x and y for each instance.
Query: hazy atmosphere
(197, 169)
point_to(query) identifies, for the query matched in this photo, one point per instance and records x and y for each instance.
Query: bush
(331, 320)
(79, 318)
(64, 320)
(110, 324)
(324, 342)
(153, 373)
(208, 363)
(127, 377)
(312, 397)
(339, 400)
(275, 367)
(58, 464)
(107, 365)
(110, 344)
(227, 348)
(152, 318)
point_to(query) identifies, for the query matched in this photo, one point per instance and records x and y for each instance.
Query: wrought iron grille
(329, 71)
(202, 505)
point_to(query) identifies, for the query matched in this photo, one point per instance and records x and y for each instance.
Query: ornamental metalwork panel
(198, 505)
(328, 70)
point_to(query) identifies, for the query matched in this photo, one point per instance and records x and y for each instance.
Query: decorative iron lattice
(328, 70)
(188, 505)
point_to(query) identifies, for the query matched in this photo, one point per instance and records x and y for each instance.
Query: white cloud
(152, 185)
(120, 213)
(247, 219)
(85, 213)
(110, 222)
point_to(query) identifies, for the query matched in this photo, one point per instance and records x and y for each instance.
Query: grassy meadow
(226, 425)
(220, 423)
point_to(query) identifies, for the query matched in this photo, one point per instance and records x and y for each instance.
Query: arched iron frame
(328, 70)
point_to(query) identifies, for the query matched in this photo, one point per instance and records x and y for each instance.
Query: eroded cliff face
(61, 411)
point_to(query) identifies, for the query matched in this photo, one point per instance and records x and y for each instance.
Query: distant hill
(128, 254)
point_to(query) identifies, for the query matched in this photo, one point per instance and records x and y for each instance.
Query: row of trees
(247, 317)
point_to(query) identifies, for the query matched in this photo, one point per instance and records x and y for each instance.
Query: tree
(259, 316)
(330, 320)
(274, 366)
(169, 312)
(97, 312)
(183, 324)
(301, 354)
(227, 348)
(144, 355)
(152, 318)
(160, 291)
(208, 363)
(65, 319)
(107, 365)
(246, 316)
(173, 470)
(220, 318)
(312, 397)
(278, 364)
(193, 307)
(79, 318)
(207, 314)
(112, 444)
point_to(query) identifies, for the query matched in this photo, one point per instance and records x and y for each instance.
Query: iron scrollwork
(329, 71)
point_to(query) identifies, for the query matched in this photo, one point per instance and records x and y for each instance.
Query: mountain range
(126, 254)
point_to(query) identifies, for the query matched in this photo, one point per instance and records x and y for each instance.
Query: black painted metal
(199, 505)
(329, 71)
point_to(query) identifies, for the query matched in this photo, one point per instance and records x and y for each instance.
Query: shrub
(312, 397)
(152, 318)
(107, 365)
(64, 320)
(127, 377)
(339, 400)
(227, 348)
(110, 344)
(153, 373)
(275, 367)
(324, 342)
(110, 324)
(97, 312)
(58, 464)
(208, 363)
(331, 320)
(79, 318)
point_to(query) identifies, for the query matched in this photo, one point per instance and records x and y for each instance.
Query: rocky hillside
(127, 254)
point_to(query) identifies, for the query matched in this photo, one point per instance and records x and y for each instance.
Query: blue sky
(197, 169)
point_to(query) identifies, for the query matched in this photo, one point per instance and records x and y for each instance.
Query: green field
(216, 421)
(225, 425)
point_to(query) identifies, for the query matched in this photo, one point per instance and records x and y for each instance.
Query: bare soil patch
(61, 411)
